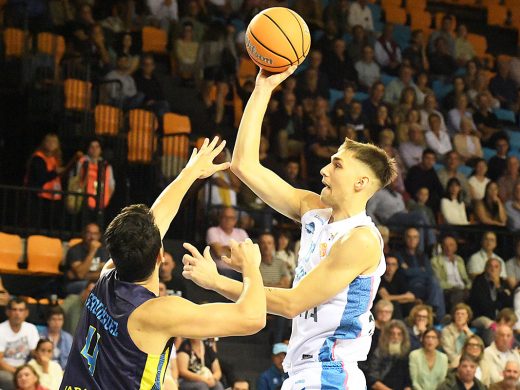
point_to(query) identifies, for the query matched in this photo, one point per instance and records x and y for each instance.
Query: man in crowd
(61, 340)
(394, 288)
(498, 354)
(173, 282)
(478, 260)
(272, 378)
(511, 375)
(465, 377)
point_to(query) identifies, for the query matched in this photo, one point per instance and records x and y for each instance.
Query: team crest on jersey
(323, 249)
(310, 227)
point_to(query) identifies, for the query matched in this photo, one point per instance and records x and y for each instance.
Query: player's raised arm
(199, 166)
(274, 191)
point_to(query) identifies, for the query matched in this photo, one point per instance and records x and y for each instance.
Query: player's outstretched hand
(202, 160)
(243, 254)
(272, 80)
(201, 269)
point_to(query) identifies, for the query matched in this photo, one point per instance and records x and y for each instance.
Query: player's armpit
(354, 255)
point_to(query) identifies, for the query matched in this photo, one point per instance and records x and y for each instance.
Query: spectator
(60, 339)
(478, 180)
(511, 374)
(26, 378)
(148, 84)
(498, 163)
(123, 91)
(419, 320)
(292, 174)
(272, 378)
(472, 70)
(310, 11)
(164, 12)
(424, 175)
(223, 187)
(466, 144)
(459, 89)
(406, 111)
(481, 86)
(318, 153)
(218, 238)
(451, 171)
(286, 128)
(486, 121)
(384, 311)
(453, 208)
(436, 139)
(387, 51)
(418, 270)
(419, 203)
(313, 82)
(457, 333)
(367, 69)
(394, 89)
(184, 55)
(382, 123)
(513, 210)
(174, 284)
(371, 105)
(489, 294)
(442, 62)
(17, 341)
(360, 14)
(337, 67)
(502, 86)
(428, 367)
(273, 269)
(125, 45)
(49, 372)
(460, 111)
(342, 106)
(325, 44)
(415, 54)
(478, 259)
(388, 367)
(446, 33)
(474, 346)
(356, 121)
(240, 384)
(451, 272)
(430, 107)
(73, 308)
(412, 150)
(285, 252)
(464, 50)
(513, 267)
(394, 288)
(198, 366)
(85, 260)
(498, 354)
(490, 210)
(509, 179)
(4, 300)
(465, 377)
(359, 41)
(96, 52)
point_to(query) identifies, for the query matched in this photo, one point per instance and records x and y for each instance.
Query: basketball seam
(284, 34)
(265, 47)
(271, 66)
(301, 31)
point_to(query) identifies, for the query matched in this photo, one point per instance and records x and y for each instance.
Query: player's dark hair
(133, 241)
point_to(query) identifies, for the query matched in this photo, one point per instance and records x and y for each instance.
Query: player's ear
(361, 183)
(160, 256)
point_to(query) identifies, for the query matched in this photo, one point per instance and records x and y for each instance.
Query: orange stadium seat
(395, 15)
(479, 43)
(496, 15)
(51, 44)
(391, 3)
(415, 5)
(246, 70)
(154, 40)
(175, 145)
(420, 20)
(14, 42)
(44, 254)
(75, 241)
(11, 252)
(78, 94)
(142, 141)
(108, 120)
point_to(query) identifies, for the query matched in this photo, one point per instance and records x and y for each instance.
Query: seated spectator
(478, 260)
(360, 14)
(457, 333)
(342, 106)
(464, 50)
(486, 121)
(185, 50)
(126, 45)
(148, 84)
(410, 119)
(451, 272)
(412, 150)
(4, 300)
(218, 238)
(456, 114)
(511, 374)
(497, 164)
(394, 89)
(406, 111)
(375, 98)
(164, 13)
(490, 210)
(285, 251)
(313, 82)
(49, 372)
(311, 11)
(360, 39)
(423, 87)
(240, 384)
(198, 366)
(442, 62)
(223, 187)
(451, 171)
(481, 86)
(367, 69)
(415, 54)
(498, 354)
(388, 366)
(61, 340)
(466, 143)
(26, 378)
(318, 153)
(472, 68)
(73, 308)
(513, 267)
(446, 33)
(419, 202)
(418, 270)
(428, 367)
(173, 283)
(474, 346)
(489, 294)
(85, 260)
(273, 377)
(451, 99)
(337, 67)
(465, 376)
(387, 51)
(419, 320)
(509, 179)
(394, 289)
(384, 311)
(478, 180)
(453, 208)
(325, 43)
(424, 175)
(513, 210)
(286, 128)
(430, 107)
(382, 122)
(292, 174)
(124, 93)
(17, 341)
(502, 86)
(436, 139)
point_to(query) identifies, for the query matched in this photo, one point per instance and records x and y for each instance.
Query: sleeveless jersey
(103, 355)
(340, 329)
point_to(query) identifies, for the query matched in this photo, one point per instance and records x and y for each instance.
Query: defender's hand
(201, 160)
(243, 254)
(201, 269)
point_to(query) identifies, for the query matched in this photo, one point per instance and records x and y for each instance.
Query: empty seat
(78, 94)
(11, 251)
(108, 120)
(496, 15)
(420, 20)
(175, 148)
(44, 254)
(479, 43)
(141, 137)
(14, 42)
(51, 44)
(154, 40)
(395, 15)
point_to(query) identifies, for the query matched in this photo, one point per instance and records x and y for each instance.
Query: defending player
(124, 338)
(340, 261)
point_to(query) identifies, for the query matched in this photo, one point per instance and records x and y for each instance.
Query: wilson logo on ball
(252, 51)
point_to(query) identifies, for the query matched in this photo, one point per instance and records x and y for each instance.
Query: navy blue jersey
(103, 355)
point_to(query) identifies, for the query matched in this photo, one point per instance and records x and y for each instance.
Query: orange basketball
(277, 38)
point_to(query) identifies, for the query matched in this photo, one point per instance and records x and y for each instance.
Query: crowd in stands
(443, 318)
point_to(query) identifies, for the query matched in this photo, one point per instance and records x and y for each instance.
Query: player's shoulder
(310, 201)
(363, 241)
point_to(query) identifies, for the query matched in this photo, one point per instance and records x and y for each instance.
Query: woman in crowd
(478, 180)
(420, 319)
(428, 367)
(461, 110)
(407, 102)
(453, 208)
(455, 335)
(25, 378)
(413, 118)
(467, 144)
(198, 365)
(49, 371)
(184, 57)
(490, 210)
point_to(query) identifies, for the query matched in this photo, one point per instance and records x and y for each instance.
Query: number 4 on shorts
(91, 357)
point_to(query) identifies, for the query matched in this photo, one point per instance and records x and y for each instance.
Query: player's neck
(152, 283)
(348, 209)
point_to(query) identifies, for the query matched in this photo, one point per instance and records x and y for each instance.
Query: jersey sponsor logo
(307, 357)
(313, 313)
(100, 311)
(310, 227)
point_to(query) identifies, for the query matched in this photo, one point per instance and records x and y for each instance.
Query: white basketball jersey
(340, 329)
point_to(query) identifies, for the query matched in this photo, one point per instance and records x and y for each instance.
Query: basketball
(277, 38)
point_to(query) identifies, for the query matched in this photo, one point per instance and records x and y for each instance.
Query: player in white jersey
(340, 261)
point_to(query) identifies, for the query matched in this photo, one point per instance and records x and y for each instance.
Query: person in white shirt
(412, 150)
(513, 267)
(49, 371)
(479, 181)
(367, 69)
(436, 139)
(498, 354)
(17, 340)
(430, 107)
(360, 15)
(164, 12)
(453, 208)
(478, 260)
